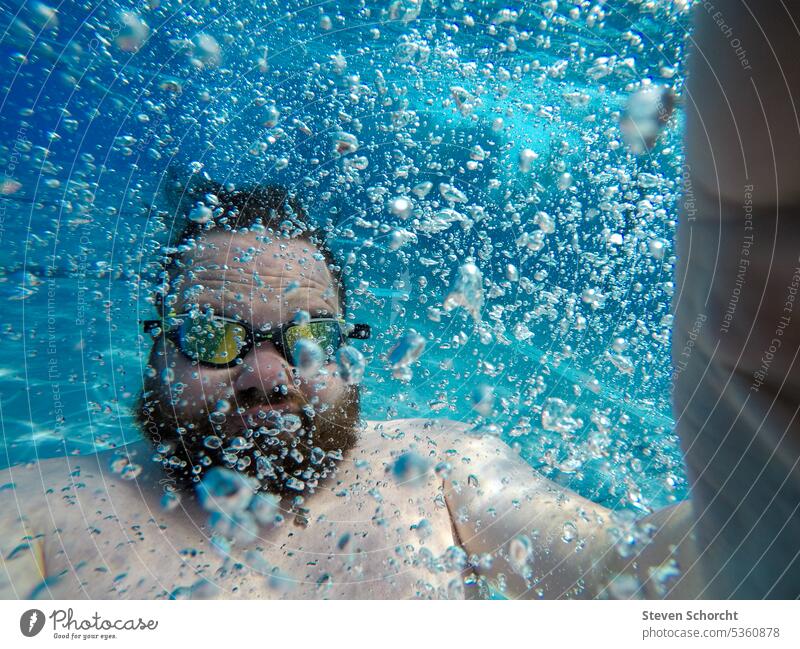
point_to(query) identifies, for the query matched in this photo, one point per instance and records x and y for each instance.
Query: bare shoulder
(32, 497)
(31, 484)
(430, 437)
(28, 491)
(467, 449)
(420, 425)
(460, 453)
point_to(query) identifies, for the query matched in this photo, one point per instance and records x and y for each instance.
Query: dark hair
(270, 206)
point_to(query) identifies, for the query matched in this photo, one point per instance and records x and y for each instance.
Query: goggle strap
(360, 332)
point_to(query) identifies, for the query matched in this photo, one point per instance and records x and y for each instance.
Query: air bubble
(410, 467)
(557, 416)
(452, 194)
(569, 532)
(401, 207)
(352, 365)
(308, 358)
(520, 555)
(225, 491)
(422, 189)
(526, 159)
(466, 291)
(133, 33)
(483, 399)
(345, 143)
(405, 352)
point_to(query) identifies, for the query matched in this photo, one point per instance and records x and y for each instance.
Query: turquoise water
(517, 105)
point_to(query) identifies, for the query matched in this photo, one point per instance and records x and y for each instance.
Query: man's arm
(736, 338)
(742, 100)
(22, 560)
(547, 541)
(737, 385)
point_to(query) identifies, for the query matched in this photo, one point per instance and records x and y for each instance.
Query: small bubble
(345, 143)
(422, 189)
(291, 423)
(264, 508)
(170, 500)
(452, 194)
(520, 555)
(569, 532)
(466, 291)
(526, 159)
(557, 415)
(217, 417)
(308, 358)
(225, 491)
(401, 207)
(131, 471)
(406, 351)
(410, 468)
(483, 399)
(301, 317)
(133, 33)
(352, 365)
(212, 442)
(424, 529)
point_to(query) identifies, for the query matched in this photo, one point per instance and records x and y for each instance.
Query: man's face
(230, 416)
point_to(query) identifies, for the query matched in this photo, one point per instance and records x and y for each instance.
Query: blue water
(89, 128)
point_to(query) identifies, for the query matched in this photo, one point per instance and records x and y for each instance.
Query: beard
(286, 452)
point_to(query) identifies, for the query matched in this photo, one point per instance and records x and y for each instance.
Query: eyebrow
(321, 313)
(223, 312)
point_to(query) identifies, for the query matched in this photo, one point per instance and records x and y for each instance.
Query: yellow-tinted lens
(212, 340)
(327, 335)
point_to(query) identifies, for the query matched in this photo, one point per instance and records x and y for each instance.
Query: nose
(263, 369)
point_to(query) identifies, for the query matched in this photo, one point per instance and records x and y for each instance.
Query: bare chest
(379, 541)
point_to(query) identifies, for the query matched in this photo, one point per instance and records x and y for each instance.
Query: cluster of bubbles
(235, 506)
(500, 182)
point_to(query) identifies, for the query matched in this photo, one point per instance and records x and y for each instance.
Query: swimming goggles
(220, 342)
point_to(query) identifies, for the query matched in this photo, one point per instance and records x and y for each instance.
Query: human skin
(366, 532)
(81, 526)
(736, 336)
(231, 287)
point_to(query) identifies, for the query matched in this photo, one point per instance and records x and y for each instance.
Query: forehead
(256, 272)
